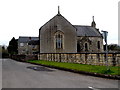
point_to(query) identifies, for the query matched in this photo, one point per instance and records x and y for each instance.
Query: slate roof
(34, 42)
(87, 31)
(25, 39)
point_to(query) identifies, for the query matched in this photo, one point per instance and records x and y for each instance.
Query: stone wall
(23, 49)
(82, 58)
(92, 43)
(27, 49)
(25, 57)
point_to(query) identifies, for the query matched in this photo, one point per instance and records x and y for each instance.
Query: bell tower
(93, 24)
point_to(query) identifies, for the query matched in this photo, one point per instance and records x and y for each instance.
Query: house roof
(26, 39)
(87, 31)
(34, 42)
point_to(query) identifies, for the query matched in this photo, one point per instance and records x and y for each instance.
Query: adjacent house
(28, 45)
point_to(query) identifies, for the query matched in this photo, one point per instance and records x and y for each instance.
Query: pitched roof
(86, 31)
(26, 39)
(56, 16)
(33, 42)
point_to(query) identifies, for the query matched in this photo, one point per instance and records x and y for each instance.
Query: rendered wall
(47, 33)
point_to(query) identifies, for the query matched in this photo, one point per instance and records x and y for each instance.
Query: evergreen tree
(13, 46)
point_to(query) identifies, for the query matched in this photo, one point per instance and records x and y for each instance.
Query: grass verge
(114, 70)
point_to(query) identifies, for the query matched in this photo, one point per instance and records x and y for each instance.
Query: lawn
(114, 70)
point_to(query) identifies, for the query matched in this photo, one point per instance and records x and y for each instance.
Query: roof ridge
(28, 36)
(83, 25)
(60, 15)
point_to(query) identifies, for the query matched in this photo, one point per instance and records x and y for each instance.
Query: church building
(58, 35)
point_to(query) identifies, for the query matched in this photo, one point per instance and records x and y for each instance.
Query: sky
(25, 17)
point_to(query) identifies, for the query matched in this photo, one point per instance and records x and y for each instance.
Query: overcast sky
(25, 17)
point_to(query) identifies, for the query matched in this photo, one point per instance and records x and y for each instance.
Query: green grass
(80, 67)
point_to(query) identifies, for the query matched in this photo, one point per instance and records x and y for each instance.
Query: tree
(13, 46)
(4, 52)
(113, 47)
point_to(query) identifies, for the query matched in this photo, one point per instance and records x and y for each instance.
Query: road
(23, 75)
(0, 73)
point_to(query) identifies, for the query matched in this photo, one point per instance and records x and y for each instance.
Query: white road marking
(93, 88)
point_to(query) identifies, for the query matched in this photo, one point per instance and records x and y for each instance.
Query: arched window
(98, 44)
(59, 40)
(78, 47)
(86, 47)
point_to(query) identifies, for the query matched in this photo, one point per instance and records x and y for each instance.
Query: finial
(93, 18)
(58, 10)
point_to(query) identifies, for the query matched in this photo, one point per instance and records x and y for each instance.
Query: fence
(82, 58)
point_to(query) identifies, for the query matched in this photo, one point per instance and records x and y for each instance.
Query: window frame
(59, 40)
(21, 44)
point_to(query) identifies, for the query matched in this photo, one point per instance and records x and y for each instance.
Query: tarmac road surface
(23, 75)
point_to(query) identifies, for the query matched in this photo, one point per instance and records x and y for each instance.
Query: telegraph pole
(105, 34)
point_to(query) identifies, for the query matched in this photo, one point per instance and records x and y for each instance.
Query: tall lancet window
(98, 44)
(86, 46)
(59, 40)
